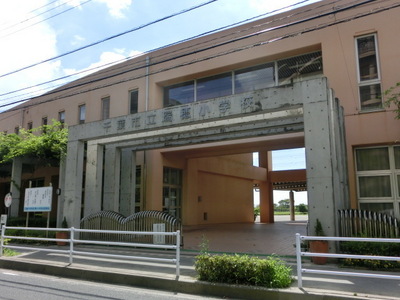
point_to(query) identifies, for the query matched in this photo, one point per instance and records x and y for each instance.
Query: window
(179, 94)
(44, 124)
(172, 192)
(16, 130)
(254, 78)
(82, 113)
(105, 108)
(214, 86)
(245, 80)
(61, 117)
(30, 126)
(133, 101)
(368, 73)
(298, 67)
(378, 178)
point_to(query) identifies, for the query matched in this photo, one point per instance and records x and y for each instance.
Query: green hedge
(371, 248)
(243, 269)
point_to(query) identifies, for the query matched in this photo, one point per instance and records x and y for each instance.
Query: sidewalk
(162, 275)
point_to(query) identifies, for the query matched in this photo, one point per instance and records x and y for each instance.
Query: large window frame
(82, 113)
(378, 178)
(368, 72)
(290, 69)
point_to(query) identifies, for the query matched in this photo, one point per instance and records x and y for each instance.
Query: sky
(32, 31)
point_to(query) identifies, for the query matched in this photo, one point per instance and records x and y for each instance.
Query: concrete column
(111, 178)
(324, 155)
(61, 196)
(94, 178)
(73, 183)
(292, 208)
(128, 182)
(15, 187)
(266, 190)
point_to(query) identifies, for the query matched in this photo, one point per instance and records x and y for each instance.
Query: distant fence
(355, 222)
(141, 221)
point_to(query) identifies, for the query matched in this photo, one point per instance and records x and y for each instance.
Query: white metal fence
(300, 254)
(73, 241)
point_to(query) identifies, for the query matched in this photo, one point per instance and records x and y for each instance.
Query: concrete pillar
(73, 183)
(94, 178)
(266, 190)
(111, 178)
(292, 207)
(61, 196)
(15, 187)
(326, 179)
(128, 182)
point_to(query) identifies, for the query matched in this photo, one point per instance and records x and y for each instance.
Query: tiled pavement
(253, 238)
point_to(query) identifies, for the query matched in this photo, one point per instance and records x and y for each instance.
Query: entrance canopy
(307, 108)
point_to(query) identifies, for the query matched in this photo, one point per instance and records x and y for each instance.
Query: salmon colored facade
(354, 44)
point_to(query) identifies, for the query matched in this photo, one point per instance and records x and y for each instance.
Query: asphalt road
(15, 285)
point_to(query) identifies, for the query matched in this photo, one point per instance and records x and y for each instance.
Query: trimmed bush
(243, 269)
(371, 248)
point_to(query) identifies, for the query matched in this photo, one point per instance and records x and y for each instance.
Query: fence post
(178, 253)
(3, 229)
(71, 244)
(298, 258)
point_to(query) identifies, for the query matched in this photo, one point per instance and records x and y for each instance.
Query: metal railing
(72, 241)
(356, 222)
(300, 254)
(140, 221)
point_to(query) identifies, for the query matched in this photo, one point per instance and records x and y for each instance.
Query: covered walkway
(253, 238)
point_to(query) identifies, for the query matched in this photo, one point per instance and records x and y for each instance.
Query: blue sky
(35, 30)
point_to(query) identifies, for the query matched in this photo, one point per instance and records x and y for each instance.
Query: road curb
(177, 286)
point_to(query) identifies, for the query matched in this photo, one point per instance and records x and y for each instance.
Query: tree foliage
(46, 143)
(393, 97)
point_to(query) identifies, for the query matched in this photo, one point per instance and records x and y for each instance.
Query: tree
(285, 203)
(393, 97)
(47, 143)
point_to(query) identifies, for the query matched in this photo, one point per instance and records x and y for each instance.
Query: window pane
(214, 86)
(82, 114)
(374, 186)
(370, 96)
(105, 108)
(61, 116)
(294, 67)
(367, 62)
(398, 185)
(378, 207)
(133, 101)
(373, 159)
(396, 157)
(179, 94)
(254, 78)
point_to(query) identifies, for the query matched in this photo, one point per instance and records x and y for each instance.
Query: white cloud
(25, 47)
(116, 7)
(77, 40)
(106, 59)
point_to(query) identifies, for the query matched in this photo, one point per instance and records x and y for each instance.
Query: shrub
(243, 269)
(371, 248)
(7, 251)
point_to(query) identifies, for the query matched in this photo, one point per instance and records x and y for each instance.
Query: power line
(166, 46)
(260, 43)
(109, 38)
(50, 17)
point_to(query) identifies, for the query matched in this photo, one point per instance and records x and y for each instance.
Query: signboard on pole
(8, 200)
(38, 199)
